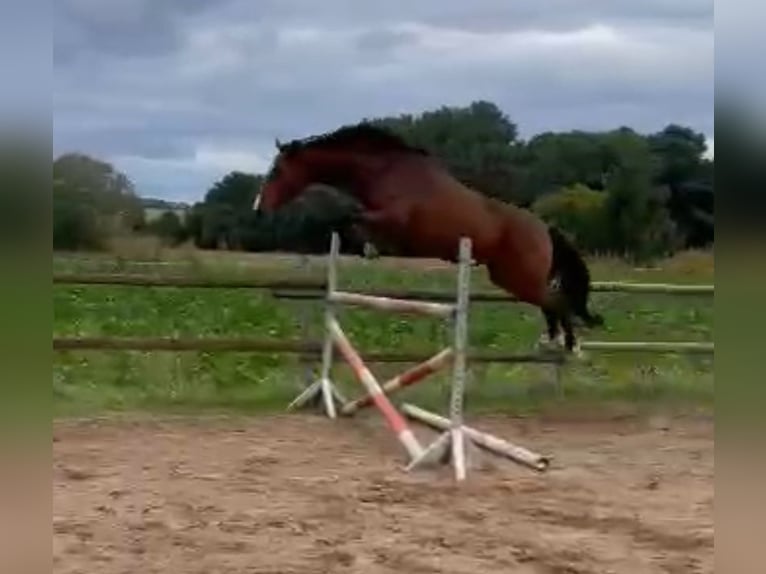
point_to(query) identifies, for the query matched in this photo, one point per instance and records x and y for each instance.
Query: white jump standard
(452, 443)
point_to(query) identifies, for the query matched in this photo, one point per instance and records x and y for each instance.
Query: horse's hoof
(578, 353)
(547, 343)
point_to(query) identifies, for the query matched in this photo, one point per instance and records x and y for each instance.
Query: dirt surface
(300, 494)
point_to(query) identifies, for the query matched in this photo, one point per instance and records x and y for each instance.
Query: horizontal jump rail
(649, 346)
(409, 377)
(305, 348)
(491, 443)
(315, 288)
(391, 304)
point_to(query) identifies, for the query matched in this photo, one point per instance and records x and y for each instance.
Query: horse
(412, 202)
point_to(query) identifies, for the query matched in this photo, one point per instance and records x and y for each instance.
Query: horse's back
(444, 210)
(438, 210)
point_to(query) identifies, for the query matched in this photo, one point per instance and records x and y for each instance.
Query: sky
(176, 93)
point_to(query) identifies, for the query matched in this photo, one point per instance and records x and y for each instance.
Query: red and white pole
(410, 377)
(395, 421)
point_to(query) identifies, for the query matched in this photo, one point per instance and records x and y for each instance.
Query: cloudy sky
(178, 92)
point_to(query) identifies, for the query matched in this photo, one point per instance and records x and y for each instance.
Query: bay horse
(409, 200)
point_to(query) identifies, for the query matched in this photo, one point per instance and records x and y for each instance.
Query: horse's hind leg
(570, 341)
(552, 322)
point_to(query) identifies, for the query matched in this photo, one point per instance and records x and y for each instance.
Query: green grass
(95, 382)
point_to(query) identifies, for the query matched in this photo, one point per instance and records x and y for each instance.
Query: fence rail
(290, 288)
(304, 348)
(649, 346)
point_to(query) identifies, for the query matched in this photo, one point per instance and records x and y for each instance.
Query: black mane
(363, 135)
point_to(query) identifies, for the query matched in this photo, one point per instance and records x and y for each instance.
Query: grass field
(96, 382)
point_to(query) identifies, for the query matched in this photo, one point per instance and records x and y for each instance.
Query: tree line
(616, 191)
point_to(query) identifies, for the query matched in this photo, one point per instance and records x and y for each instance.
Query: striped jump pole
(396, 421)
(412, 376)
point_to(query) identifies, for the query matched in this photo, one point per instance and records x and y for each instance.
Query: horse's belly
(437, 233)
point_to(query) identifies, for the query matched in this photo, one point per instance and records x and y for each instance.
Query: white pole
(491, 443)
(327, 346)
(459, 363)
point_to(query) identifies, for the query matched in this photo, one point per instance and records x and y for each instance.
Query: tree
(555, 160)
(219, 220)
(169, 228)
(640, 225)
(75, 220)
(680, 155)
(688, 176)
(579, 211)
(478, 143)
(236, 189)
(92, 201)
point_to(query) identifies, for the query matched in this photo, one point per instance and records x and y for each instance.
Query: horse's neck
(348, 172)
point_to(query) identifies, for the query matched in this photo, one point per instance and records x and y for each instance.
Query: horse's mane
(363, 135)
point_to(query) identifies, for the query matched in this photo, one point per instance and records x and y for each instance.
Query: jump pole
(323, 388)
(405, 379)
(456, 437)
(451, 445)
(484, 440)
(395, 421)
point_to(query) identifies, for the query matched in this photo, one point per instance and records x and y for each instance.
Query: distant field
(96, 382)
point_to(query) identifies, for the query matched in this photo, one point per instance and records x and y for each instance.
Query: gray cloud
(488, 15)
(177, 93)
(127, 28)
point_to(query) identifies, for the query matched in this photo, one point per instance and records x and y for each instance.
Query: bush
(169, 228)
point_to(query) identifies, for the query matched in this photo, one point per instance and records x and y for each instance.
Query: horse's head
(348, 158)
(286, 179)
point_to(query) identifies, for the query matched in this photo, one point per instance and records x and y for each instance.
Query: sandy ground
(300, 494)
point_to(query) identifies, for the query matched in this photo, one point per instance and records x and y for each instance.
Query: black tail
(570, 267)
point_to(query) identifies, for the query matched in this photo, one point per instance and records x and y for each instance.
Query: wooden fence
(315, 288)
(291, 288)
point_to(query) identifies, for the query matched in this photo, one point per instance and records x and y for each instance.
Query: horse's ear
(279, 144)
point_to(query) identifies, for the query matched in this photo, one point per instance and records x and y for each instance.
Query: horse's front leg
(360, 235)
(385, 227)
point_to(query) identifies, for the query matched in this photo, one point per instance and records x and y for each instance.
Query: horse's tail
(574, 275)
